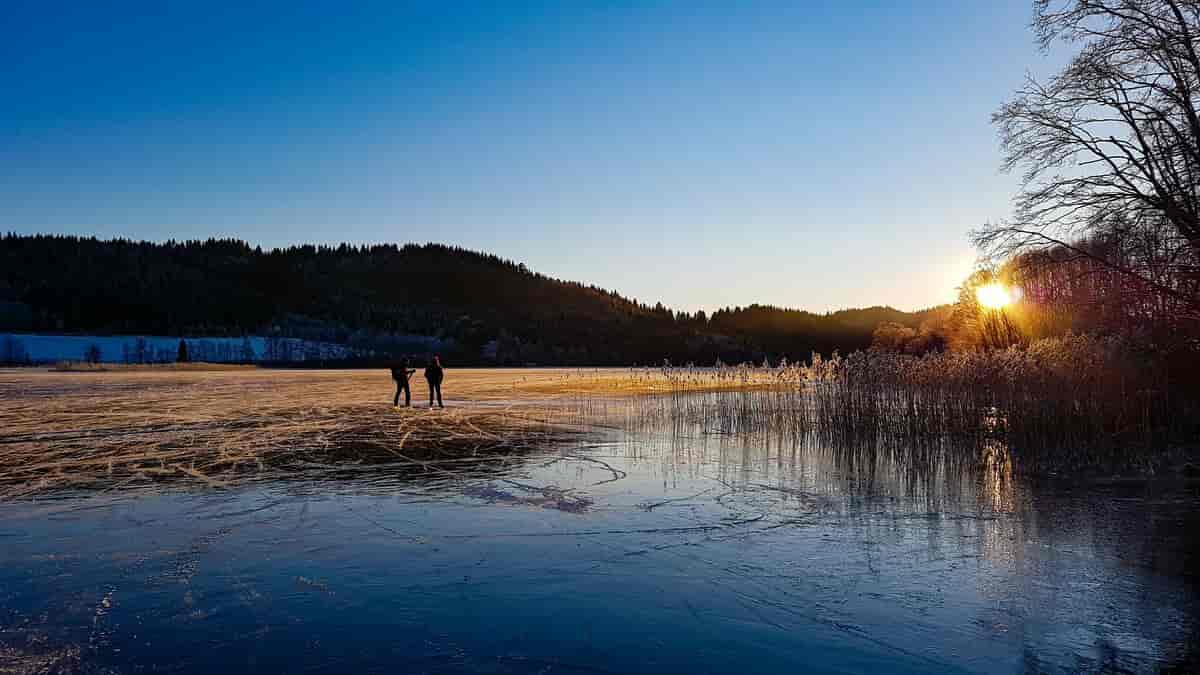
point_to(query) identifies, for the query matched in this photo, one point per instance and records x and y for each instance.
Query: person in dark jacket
(433, 375)
(400, 375)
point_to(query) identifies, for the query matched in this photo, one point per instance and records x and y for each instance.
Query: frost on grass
(72, 431)
(62, 431)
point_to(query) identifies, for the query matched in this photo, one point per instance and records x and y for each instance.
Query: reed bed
(1061, 403)
(69, 431)
(62, 430)
(1072, 401)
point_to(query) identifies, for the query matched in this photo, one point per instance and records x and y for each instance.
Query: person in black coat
(400, 375)
(433, 375)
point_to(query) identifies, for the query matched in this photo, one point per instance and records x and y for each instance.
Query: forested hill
(378, 299)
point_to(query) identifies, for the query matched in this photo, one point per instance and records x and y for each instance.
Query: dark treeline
(381, 299)
(777, 331)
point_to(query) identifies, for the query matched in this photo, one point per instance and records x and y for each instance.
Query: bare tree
(1109, 148)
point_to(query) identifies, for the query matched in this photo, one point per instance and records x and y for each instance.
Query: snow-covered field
(45, 348)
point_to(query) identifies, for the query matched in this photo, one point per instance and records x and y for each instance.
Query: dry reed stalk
(61, 431)
(1071, 402)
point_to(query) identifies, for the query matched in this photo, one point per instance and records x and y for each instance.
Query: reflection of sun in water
(995, 295)
(998, 488)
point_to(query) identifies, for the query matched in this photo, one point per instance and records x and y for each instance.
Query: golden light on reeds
(995, 295)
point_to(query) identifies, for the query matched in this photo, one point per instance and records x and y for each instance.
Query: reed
(1073, 401)
(144, 426)
(141, 428)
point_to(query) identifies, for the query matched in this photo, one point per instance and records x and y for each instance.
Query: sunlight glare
(994, 296)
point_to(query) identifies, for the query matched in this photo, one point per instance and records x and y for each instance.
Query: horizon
(816, 157)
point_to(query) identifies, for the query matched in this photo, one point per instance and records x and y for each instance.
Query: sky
(704, 154)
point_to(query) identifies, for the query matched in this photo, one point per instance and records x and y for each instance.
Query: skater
(433, 375)
(401, 375)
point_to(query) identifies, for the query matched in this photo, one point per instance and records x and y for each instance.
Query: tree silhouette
(377, 301)
(1109, 148)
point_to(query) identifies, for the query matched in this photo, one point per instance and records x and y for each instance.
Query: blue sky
(704, 154)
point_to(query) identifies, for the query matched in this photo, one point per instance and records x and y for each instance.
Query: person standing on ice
(433, 375)
(401, 375)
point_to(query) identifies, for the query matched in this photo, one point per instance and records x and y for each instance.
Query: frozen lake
(633, 552)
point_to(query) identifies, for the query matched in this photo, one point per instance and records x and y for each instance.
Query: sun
(995, 295)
